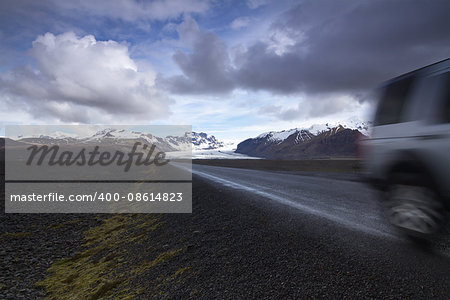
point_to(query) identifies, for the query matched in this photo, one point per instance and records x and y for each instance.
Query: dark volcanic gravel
(236, 246)
(30, 243)
(240, 246)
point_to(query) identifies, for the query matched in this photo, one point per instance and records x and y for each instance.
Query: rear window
(392, 101)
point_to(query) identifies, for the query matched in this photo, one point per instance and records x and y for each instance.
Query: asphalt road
(335, 205)
(316, 235)
(346, 203)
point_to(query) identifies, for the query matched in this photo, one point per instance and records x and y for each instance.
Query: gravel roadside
(31, 243)
(233, 245)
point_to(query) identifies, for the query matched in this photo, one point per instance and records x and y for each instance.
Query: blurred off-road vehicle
(407, 156)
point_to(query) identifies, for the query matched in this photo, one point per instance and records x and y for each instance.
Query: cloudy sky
(229, 68)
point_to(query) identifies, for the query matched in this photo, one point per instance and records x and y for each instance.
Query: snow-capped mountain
(201, 141)
(49, 140)
(181, 143)
(194, 140)
(300, 136)
(316, 141)
(118, 137)
(121, 135)
(305, 134)
(352, 123)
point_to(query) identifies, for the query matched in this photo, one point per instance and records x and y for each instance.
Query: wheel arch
(411, 163)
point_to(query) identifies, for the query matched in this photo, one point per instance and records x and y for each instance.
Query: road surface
(346, 203)
(251, 235)
(340, 200)
(309, 236)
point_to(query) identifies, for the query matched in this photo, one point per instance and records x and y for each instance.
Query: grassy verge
(109, 266)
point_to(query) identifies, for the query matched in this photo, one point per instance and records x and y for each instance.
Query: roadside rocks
(31, 243)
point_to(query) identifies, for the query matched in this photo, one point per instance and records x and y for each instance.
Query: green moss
(79, 277)
(93, 273)
(57, 226)
(16, 235)
(171, 280)
(181, 271)
(128, 294)
(159, 259)
(104, 288)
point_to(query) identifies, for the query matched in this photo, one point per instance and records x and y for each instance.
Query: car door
(434, 136)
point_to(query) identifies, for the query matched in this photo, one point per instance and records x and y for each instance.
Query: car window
(427, 101)
(392, 102)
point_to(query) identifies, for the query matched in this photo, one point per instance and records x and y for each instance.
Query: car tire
(412, 205)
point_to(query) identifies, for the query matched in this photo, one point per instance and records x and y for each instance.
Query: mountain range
(303, 144)
(123, 137)
(201, 141)
(318, 141)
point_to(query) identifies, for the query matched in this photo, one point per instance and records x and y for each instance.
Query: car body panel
(417, 134)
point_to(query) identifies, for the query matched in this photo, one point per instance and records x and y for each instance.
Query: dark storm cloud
(348, 45)
(206, 70)
(323, 46)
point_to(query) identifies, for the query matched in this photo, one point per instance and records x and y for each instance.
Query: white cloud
(80, 79)
(313, 107)
(131, 10)
(240, 23)
(254, 4)
(282, 41)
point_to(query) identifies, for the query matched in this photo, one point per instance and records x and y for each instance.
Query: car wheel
(413, 207)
